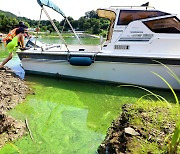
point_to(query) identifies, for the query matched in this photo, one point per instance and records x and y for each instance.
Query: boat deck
(62, 48)
(84, 48)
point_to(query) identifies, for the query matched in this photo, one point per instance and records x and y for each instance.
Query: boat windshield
(127, 16)
(166, 25)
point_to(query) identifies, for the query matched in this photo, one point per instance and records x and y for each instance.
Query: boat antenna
(56, 29)
(146, 5)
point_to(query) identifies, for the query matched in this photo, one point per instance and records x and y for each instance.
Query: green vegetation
(8, 21)
(156, 122)
(89, 23)
(175, 141)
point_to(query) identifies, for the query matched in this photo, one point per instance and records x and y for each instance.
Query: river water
(68, 116)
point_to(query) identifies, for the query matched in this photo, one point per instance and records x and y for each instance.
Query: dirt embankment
(12, 92)
(141, 129)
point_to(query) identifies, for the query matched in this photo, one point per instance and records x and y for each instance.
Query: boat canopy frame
(50, 4)
(108, 14)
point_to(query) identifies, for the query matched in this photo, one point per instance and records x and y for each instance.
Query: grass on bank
(156, 122)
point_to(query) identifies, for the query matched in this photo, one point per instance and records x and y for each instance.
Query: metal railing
(147, 7)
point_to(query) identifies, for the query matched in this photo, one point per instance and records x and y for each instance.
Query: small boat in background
(141, 43)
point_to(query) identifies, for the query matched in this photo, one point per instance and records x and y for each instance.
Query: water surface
(70, 40)
(67, 116)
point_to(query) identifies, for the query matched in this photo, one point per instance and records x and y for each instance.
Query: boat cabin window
(167, 25)
(127, 16)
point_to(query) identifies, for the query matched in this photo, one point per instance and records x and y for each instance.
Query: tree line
(89, 23)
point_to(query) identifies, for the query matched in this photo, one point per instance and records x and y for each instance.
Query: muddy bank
(12, 92)
(145, 128)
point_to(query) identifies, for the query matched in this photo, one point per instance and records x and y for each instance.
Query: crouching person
(18, 39)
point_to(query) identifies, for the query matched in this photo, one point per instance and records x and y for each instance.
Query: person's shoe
(25, 48)
(2, 68)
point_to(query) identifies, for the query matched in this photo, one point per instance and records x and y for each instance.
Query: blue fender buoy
(80, 61)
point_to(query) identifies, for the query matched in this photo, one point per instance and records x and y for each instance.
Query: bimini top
(109, 14)
(51, 5)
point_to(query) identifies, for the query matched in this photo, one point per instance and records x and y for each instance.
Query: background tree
(7, 23)
(96, 27)
(81, 22)
(89, 23)
(50, 28)
(91, 14)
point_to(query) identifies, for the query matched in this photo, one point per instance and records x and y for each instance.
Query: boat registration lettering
(142, 36)
(136, 35)
(120, 31)
(136, 31)
(121, 47)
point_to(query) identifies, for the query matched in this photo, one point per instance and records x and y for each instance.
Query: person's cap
(21, 24)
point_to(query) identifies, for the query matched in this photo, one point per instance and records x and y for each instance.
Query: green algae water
(69, 116)
(70, 40)
(66, 116)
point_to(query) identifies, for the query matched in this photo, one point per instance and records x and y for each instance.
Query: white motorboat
(141, 44)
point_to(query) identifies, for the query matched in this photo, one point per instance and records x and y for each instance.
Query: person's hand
(37, 29)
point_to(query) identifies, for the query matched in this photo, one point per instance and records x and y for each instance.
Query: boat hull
(142, 74)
